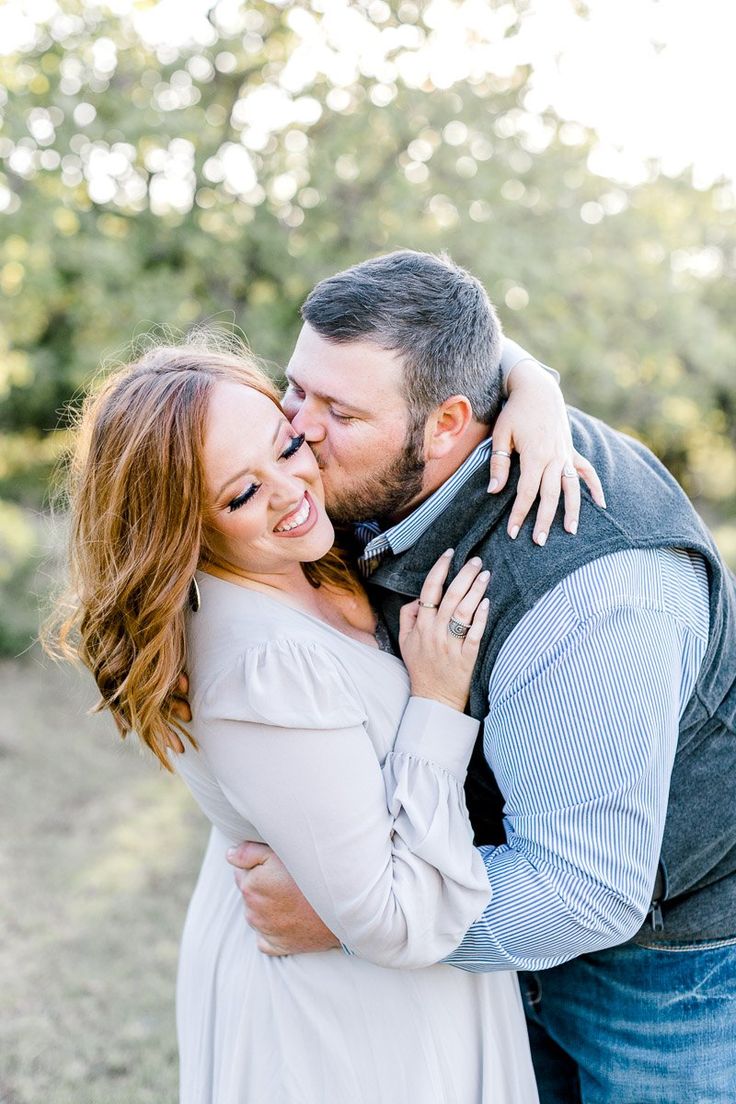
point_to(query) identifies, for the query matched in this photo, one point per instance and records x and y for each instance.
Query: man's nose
(307, 421)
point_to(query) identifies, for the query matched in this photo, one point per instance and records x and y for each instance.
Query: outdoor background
(176, 162)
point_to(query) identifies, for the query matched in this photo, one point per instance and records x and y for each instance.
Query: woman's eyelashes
(295, 443)
(241, 500)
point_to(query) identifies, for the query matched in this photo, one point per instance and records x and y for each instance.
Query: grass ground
(99, 850)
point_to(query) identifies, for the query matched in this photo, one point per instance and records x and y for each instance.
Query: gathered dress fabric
(309, 741)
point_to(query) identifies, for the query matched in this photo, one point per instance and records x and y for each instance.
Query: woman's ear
(446, 426)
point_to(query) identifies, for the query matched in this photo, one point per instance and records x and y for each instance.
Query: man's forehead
(344, 370)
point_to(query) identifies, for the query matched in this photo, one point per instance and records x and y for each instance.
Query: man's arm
(275, 907)
(581, 735)
(534, 423)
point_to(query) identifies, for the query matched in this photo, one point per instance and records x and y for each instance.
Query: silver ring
(501, 452)
(428, 605)
(457, 628)
(569, 473)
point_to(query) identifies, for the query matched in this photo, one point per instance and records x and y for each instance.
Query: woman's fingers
(471, 643)
(549, 496)
(458, 589)
(589, 475)
(571, 491)
(460, 600)
(407, 619)
(431, 592)
(432, 644)
(500, 462)
(465, 609)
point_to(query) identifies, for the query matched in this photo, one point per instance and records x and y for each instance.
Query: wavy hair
(137, 500)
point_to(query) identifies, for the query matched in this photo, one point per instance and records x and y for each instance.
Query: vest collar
(469, 517)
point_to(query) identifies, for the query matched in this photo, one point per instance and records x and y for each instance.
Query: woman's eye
(294, 445)
(345, 418)
(241, 500)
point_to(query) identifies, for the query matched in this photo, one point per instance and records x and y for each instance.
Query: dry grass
(98, 855)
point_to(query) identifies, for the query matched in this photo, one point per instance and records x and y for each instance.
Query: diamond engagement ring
(457, 628)
(569, 473)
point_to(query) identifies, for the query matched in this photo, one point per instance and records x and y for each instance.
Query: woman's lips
(307, 510)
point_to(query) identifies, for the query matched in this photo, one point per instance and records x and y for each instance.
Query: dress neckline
(383, 641)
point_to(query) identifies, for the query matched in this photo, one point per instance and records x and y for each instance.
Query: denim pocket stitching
(675, 948)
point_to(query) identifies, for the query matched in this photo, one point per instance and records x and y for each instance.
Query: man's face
(346, 399)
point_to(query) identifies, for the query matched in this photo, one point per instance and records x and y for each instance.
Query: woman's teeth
(297, 519)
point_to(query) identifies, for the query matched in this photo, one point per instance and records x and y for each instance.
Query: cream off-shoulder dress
(310, 742)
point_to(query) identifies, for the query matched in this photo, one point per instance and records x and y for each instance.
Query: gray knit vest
(646, 508)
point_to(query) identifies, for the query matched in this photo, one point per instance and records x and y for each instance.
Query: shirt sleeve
(582, 743)
(511, 354)
(383, 852)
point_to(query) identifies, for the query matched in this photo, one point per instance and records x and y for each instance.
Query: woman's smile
(299, 522)
(250, 446)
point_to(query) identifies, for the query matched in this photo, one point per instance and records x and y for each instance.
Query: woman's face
(266, 504)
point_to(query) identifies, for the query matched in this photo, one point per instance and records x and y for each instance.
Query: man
(608, 672)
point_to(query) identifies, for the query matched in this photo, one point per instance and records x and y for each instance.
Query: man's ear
(446, 426)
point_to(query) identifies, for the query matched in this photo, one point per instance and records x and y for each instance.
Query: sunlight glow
(652, 78)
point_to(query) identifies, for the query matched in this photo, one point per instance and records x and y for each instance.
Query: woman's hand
(440, 636)
(534, 423)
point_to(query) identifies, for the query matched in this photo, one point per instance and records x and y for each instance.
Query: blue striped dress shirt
(583, 712)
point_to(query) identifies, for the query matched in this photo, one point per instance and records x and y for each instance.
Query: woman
(200, 539)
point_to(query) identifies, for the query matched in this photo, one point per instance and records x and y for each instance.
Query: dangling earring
(195, 599)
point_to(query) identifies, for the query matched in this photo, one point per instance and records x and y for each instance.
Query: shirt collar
(407, 531)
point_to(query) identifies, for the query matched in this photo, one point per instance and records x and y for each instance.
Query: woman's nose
(287, 490)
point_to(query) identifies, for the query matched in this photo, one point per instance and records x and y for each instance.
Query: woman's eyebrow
(233, 478)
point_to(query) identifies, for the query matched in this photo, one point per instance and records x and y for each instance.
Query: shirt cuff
(511, 354)
(436, 732)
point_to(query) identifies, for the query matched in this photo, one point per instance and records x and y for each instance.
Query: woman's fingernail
(231, 852)
(449, 552)
(573, 528)
(492, 486)
(514, 532)
(541, 539)
(603, 503)
(484, 575)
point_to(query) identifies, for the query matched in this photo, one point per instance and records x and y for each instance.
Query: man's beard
(386, 493)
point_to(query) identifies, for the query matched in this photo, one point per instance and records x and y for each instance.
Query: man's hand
(534, 423)
(274, 905)
(179, 702)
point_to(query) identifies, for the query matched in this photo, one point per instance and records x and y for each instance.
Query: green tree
(220, 178)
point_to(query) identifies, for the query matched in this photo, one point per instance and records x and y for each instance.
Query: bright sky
(655, 78)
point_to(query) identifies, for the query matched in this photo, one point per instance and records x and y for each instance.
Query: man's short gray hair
(429, 310)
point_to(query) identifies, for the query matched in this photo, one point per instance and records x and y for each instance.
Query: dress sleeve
(511, 354)
(397, 881)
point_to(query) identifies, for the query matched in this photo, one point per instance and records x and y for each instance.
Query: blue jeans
(634, 1025)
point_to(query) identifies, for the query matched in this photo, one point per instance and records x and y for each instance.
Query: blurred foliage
(145, 182)
(19, 559)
